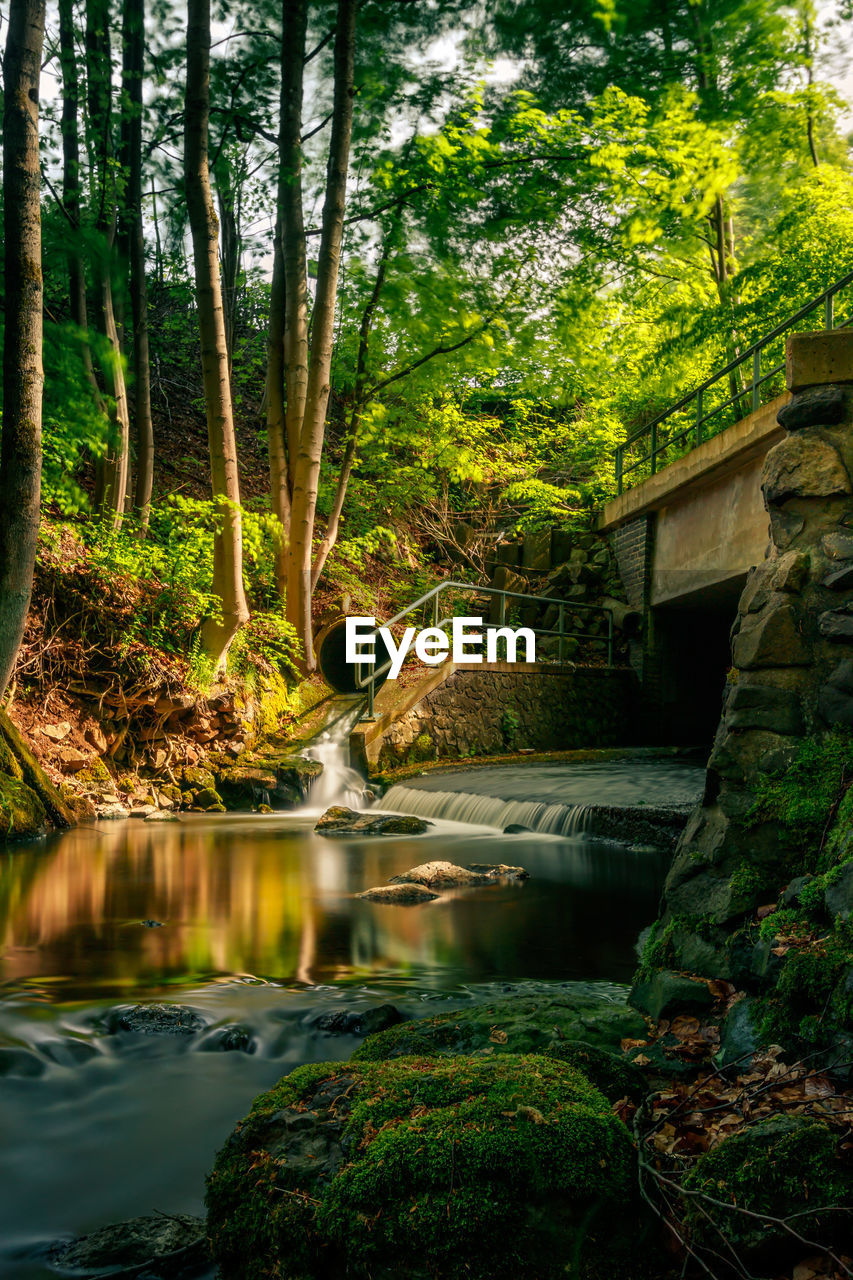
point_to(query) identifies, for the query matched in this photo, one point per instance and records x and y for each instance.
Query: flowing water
(339, 783)
(251, 920)
(553, 798)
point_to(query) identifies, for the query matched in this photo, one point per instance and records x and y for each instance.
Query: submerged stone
(402, 895)
(163, 1246)
(485, 1168)
(156, 1020)
(233, 1039)
(359, 1022)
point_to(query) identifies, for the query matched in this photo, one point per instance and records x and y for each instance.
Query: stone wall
(792, 649)
(632, 545)
(489, 710)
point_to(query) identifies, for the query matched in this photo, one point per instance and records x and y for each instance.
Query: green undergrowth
(805, 800)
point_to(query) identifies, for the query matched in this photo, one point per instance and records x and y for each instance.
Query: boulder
(359, 1022)
(340, 821)
(159, 1247)
(488, 1168)
(155, 1020)
(773, 639)
(836, 624)
(401, 895)
(838, 896)
(754, 706)
(803, 467)
(514, 1024)
(739, 1040)
(611, 1073)
(444, 875)
(838, 545)
(771, 1169)
(666, 994)
(840, 579)
(814, 407)
(233, 1039)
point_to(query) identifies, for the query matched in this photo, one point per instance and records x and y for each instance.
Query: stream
(251, 920)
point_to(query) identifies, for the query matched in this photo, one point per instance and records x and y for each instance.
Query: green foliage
(510, 724)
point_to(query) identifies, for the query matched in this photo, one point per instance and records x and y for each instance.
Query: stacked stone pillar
(792, 654)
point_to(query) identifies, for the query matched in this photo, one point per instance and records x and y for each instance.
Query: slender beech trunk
(306, 471)
(20, 447)
(279, 481)
(133, 67)
(111, 490)
(227, 551)
(71, 189)
(359, 399)
(231, 250)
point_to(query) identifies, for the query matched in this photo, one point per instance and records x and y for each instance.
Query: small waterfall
(339, 783)
(489, 811)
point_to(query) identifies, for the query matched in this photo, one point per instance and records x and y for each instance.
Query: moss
(803, 800)
(196, 778)
(96, 774)
(483, 1168)
(423, 747)
(813, 998)
(22, 813)
(612, 1075)
(774, 1168)
(516, 1024)
(126, 782)
(274, 703)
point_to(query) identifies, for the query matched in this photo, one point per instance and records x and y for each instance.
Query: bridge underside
(685, 540)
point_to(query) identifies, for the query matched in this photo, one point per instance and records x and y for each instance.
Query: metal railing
(684, 425)
(429, 603)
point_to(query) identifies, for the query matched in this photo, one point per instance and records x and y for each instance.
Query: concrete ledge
(817, 359)
(749, 438)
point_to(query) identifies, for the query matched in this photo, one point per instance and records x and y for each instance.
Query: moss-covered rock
(779, 1167)
(515, 1024)
(612, 1074)
(22, 813)
(195, 778)
(478, 1168)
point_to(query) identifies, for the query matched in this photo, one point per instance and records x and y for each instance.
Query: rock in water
(491, 1168)
(156, 1020)
(158, 1247)
(403, 895)
(361, 1022)
(440, 875)
(340, 821)
(444, 875)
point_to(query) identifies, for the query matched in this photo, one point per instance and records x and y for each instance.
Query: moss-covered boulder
(613, 1075)
(782, 1166)
(487, 1169)
(512, 1024)
(22, 813)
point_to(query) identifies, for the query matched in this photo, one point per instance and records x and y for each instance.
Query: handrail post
(653, 447)
(756, 377)
(610, 637)
(619, 464)
(370, 689)
(435, 610)
(700, 402)
(829, 311)
(561, 626)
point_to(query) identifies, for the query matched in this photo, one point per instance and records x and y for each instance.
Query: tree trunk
(307, 469)
(71, 189)
(111, 490)
(275, 410)
(133, 66)
(23, 377)
(231, 251)
(227, 551)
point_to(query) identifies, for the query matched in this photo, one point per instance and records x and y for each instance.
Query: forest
(321, 318)
(409, 263)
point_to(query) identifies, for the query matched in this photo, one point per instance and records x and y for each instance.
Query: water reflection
(264, 896)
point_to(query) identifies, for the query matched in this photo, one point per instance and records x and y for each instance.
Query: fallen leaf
(497, 1036)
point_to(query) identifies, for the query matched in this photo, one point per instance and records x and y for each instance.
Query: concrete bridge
(687, 535)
